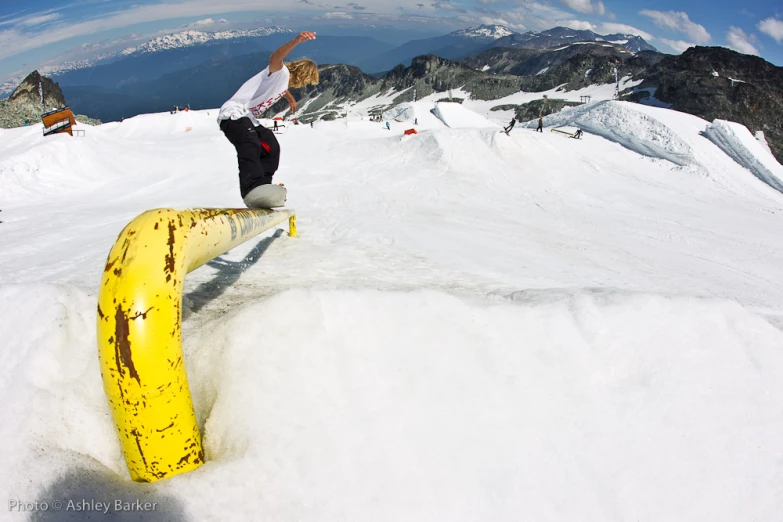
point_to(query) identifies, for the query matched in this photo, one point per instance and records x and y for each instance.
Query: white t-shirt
(256, 95)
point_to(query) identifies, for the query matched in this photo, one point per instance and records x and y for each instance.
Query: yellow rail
(139, 329)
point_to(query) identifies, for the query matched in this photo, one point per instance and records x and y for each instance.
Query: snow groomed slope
(478, 324)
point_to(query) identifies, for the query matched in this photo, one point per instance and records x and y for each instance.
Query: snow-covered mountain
(168, 42)
(492, 32)
(192, 37)
(560, 36)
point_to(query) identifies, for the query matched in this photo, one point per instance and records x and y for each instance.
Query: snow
(759, 135)
(194, 37)
(542, 71)
(455, 116)
(737, 141)
(471, 326)
(484, 107)
(618, 122)
(484, 31)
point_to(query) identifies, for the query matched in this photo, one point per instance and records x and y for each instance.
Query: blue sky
(38, 32)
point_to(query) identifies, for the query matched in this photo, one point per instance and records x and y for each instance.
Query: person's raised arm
(291, 101)
(276, 60)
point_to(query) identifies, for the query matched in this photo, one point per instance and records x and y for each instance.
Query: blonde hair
(303, 72)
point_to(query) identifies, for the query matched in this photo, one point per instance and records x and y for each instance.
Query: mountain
(145, 64)
(211, 83)
(190, 38)
(492, 32)
(28, 102)
(454, 46)
(577, 65)
(560, 36)
(715, 82)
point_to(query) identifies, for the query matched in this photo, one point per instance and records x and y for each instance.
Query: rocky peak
(715, 82)
(27, 94)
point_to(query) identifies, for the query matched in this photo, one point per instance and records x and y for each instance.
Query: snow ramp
(617, 122)
(410, 112)
(455, 116)
(737, 141)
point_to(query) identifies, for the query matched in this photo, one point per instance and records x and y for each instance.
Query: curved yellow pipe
(139, 329)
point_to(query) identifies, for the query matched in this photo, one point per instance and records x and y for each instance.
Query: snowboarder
(540, 124)
(275, 125)
(510, 126)
(578, 134)
(388, 127)
(258, 152)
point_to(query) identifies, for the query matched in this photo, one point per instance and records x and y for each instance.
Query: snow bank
(737, 141)
(334, 405)
(617, 122)
(33, 165)
(762, 140)
(455, 116)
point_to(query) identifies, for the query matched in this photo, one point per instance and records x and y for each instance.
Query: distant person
(311, 125)
(388, 127)
(578, 134)
(510, 125)
(416, 121)
(540, 124)
(275, 124)
(258, 151)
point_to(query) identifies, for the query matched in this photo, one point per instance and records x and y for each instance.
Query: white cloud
(201, 23)
(39, 20)
(31, 21)
(677, 45)
(337, 15)
(586, 6)
(611, 28)
(772, 27)
(678, 21)
(739, 41)
(577, 25)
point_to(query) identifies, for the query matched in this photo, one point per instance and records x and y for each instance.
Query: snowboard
(266, 196)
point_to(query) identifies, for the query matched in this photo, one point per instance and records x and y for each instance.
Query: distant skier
(388, 127)
(510, 126)
(578, 134)
(258, 151)
(540, 124)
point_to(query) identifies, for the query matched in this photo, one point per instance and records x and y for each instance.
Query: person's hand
(304, 36)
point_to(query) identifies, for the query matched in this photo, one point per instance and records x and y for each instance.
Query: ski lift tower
(543, 106)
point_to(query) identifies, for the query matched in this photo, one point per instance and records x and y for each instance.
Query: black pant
(258, 152)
